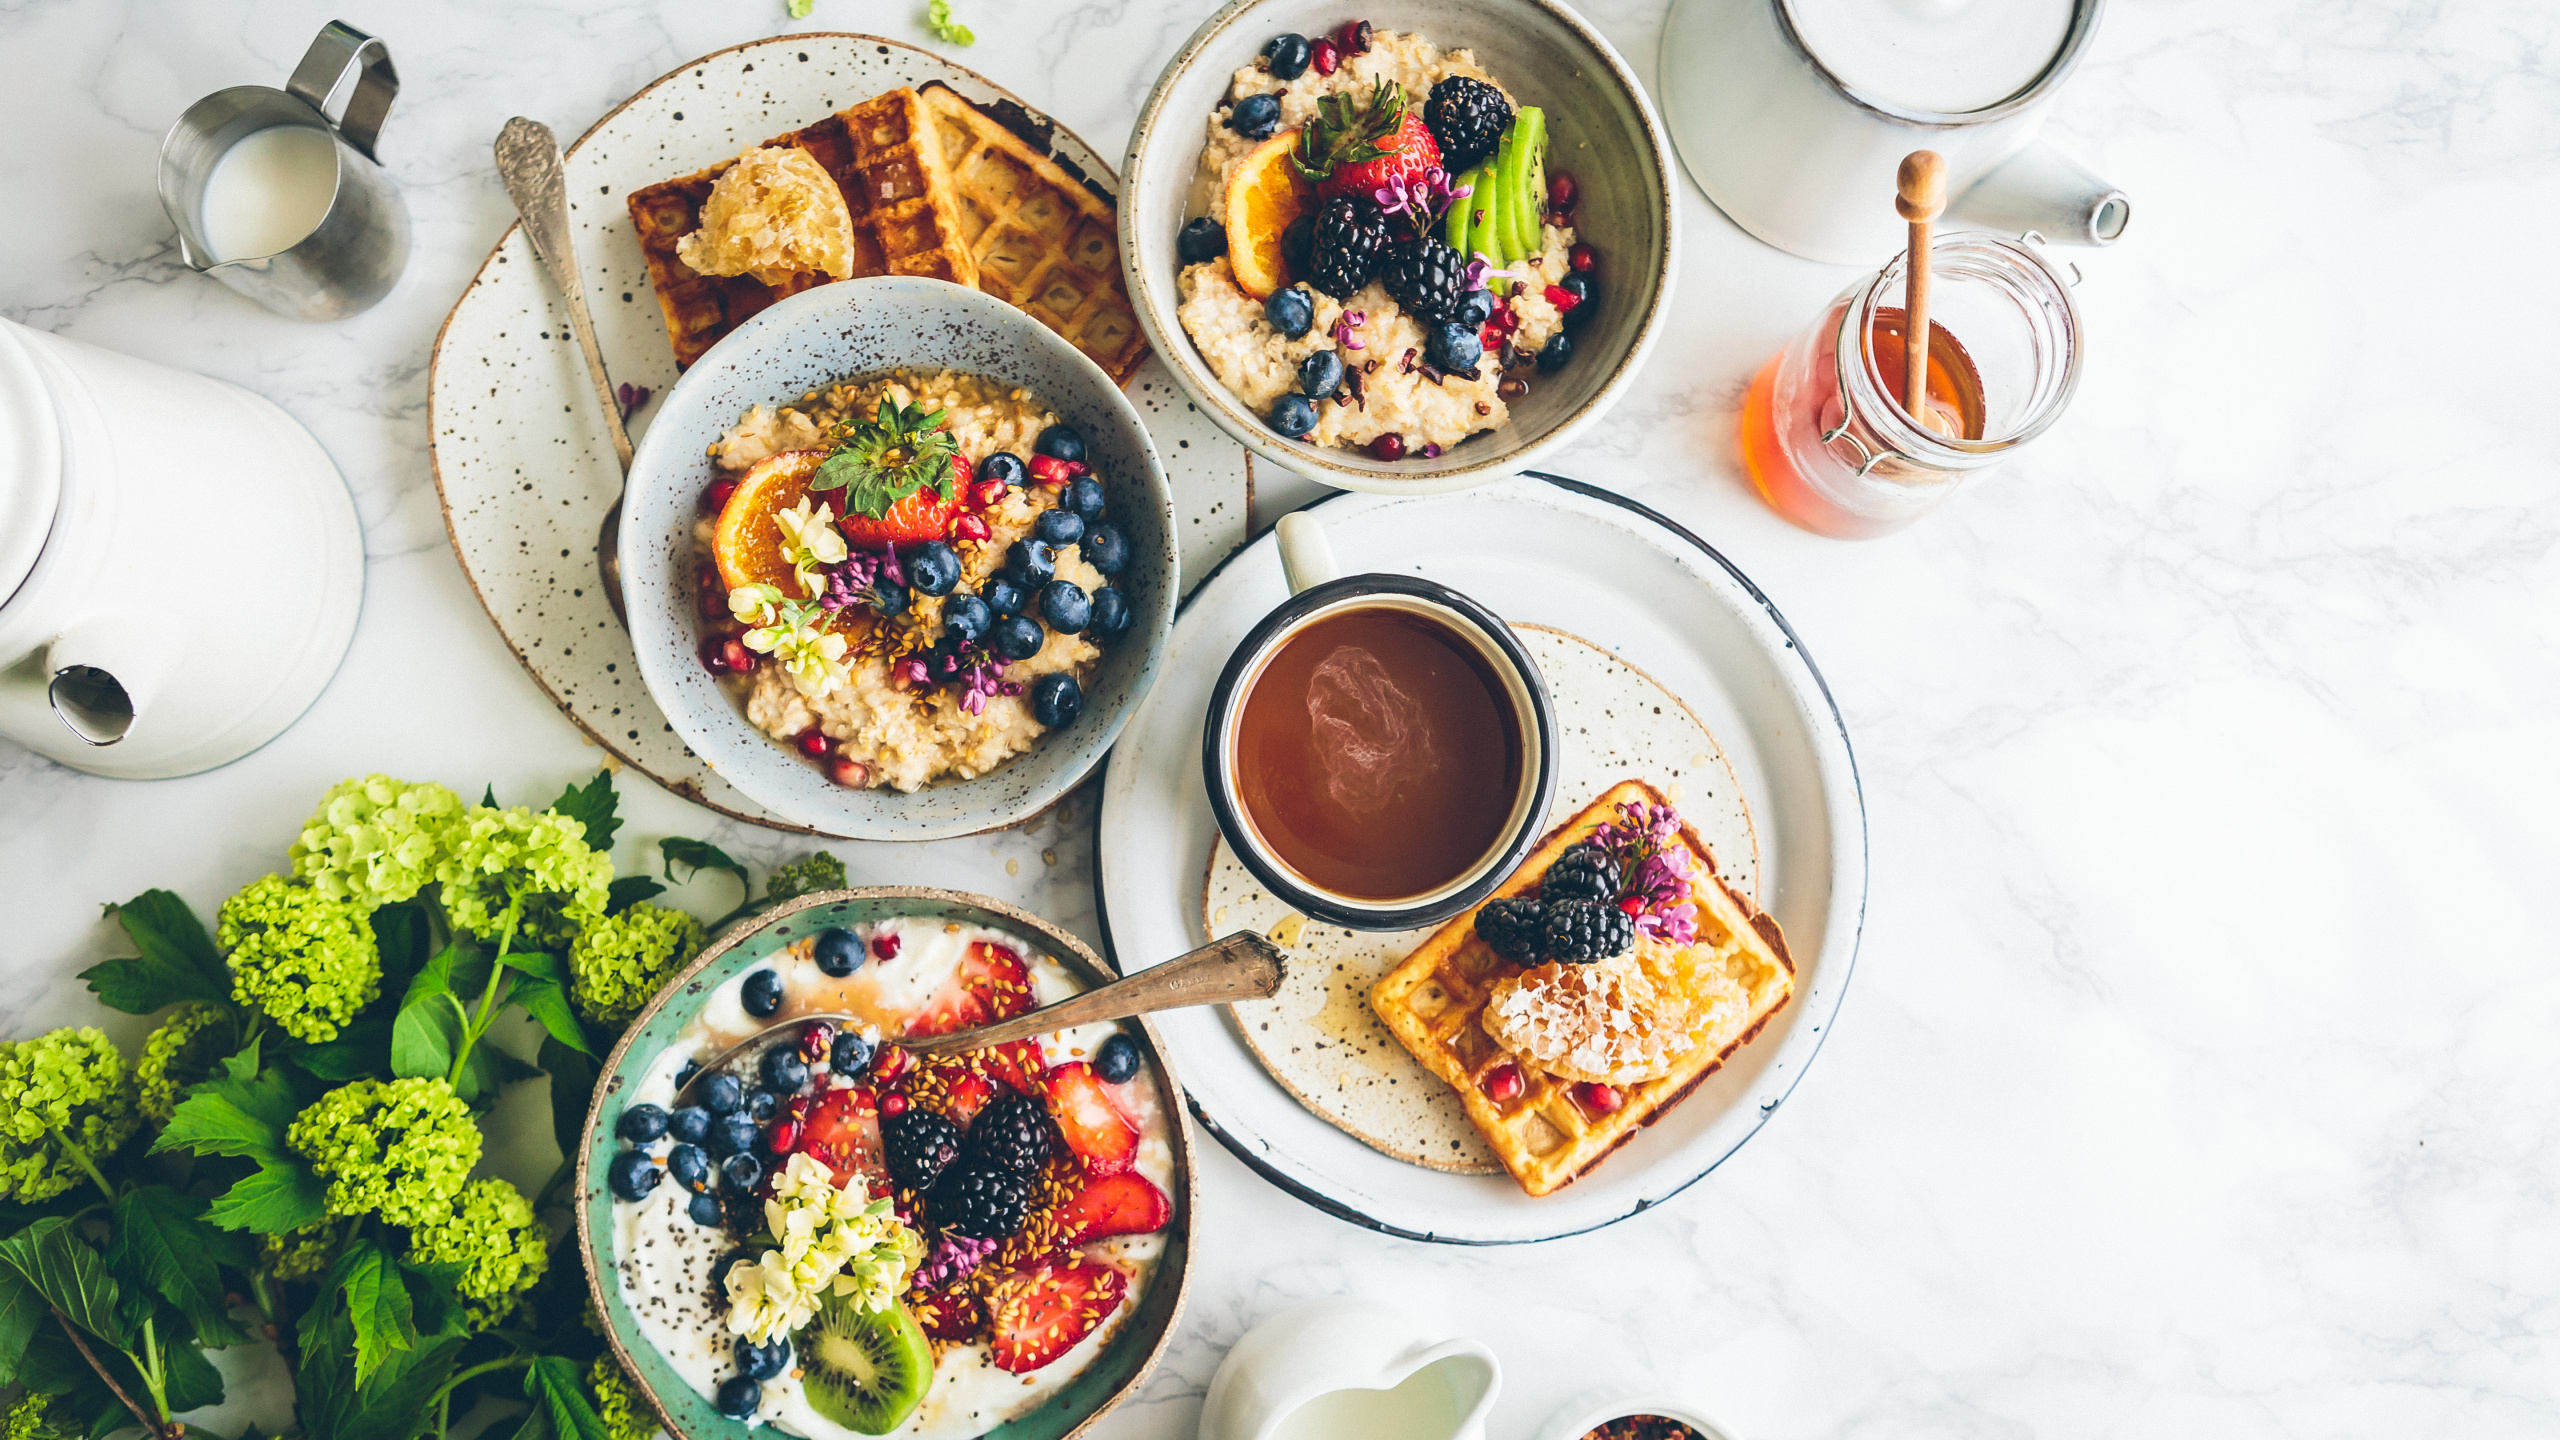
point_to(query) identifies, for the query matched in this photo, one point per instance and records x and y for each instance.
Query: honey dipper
(1920, 196)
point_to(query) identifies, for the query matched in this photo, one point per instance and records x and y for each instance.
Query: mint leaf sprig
(884, 460)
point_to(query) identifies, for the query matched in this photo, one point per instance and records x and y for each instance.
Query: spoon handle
(529, 163)
(1242, 966)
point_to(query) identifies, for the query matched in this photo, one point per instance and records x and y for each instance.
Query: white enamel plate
(1549, 552)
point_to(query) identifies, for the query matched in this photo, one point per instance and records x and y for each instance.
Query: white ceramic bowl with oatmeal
(929, 764)
(1600, 128)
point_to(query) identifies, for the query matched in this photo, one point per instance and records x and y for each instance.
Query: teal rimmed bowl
(1113, 1377)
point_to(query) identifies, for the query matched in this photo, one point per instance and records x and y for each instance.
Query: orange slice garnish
(1263, 195)
(745, 542)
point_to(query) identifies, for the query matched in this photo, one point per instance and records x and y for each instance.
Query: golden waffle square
(1434, 1003)
(1042, 241)
(901, 193)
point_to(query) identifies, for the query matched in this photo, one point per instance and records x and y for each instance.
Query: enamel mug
(1343, 1367)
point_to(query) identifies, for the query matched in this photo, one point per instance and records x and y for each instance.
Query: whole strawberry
(1350, 148)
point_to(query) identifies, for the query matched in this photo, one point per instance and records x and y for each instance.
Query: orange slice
(745, 542)
(1263, 195)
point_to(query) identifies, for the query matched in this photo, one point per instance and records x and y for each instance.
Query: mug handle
(338, 51)
(1306, 557)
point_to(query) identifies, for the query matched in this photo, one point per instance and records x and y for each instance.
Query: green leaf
(535, 963)
(489, 796)
(697, 856)
(426, 1033)
(545, 1001)
(361, 1051)
(401, 934)
(377, 1305)
(332, 1406)
(178, 961)
(192, 1380)
(283, 1195)
(593, 807)
(629, 890)
(556, 1384)
(937, 17)
(21, 1311)
(491, 1069)
(160, 1238)
(241, 1111)
(573, 1086)
(69, 1275)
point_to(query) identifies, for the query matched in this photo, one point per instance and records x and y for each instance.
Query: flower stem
(155, 1369)
(81, 1158)
(512, 1362)
(489, 992)
(82, 1345)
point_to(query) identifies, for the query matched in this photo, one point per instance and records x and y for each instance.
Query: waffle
(1434, 1003)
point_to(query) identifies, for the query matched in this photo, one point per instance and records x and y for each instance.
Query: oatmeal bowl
(1406, 247)
(898, 560)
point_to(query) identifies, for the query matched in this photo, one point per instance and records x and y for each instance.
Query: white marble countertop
(2199, 1074)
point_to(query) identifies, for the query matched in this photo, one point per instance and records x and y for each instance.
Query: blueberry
(1579, 287)
(762, 995)
(1255, 117)
(632, 1175)
(1003, 595)
(1084, 496)
(1110, 615)
(1056, 700)
(840, 950)
(1552, 357)
(964, 618)
(762, 1106)
(1291, 311)
(689, 1124)
(1030, 563)
(851, 1054)
(706, 1210)
(763, 1362)
(738, 1397)
(1293, 416)
(1006, 466)
(1286, 56)
(1106, 549)
(933, 568)
(740, 1174)
(1060, 442)
(1060, 526)
(685, 1076)
(784, 1072)
(690, 1167)
(1201, 239)
(722, 1094)
(1065, 607)
(1117, 1060)
(1474, 308)
(888, 597)
(1452, 346)
(1320, 374)
(641, 1124)
(730, 1135)
(1015, 637)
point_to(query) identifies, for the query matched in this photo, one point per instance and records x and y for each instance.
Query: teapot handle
(338, 51)
(2043, 190)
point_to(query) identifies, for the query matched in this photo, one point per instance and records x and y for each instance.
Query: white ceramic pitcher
(1793, 114)
(1312, 1372)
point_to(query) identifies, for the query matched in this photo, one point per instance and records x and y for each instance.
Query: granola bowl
(877, 749)
(1598, 127)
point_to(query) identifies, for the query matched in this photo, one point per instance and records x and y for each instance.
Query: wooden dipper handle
(1920, 196)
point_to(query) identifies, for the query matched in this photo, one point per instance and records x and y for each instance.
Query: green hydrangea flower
(302, 1254)
(820, 871)
(376, 840)
(306, 960)
(626, 1416)
(34, 1418)
(490, 1228)
(183, 1051)
(499, 857)
(400, 1149)
(619, 961)
(70, 1085)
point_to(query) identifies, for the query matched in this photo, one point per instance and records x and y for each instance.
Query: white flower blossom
(810, 542)
(845, 1241)
(755, 604)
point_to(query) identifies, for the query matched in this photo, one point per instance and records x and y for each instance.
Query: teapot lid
(30, 460)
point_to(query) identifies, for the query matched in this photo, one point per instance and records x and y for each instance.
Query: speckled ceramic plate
(1121, 1369)
(1319, 1038)
(1550, 552)
(523, 468)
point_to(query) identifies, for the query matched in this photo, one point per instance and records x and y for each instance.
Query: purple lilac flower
(1344, 324)
(953, 1257)
(631, 397)
(1428, 195)
(849, 584)
(1654, 868)
(983, 680)
(1481, 268)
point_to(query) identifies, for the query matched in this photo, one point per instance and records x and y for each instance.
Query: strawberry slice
(989, 983)
(1040, 1313)
(1406, 154)
(1018, 1063)
(969, 1094)
(1103, 1137)
(845, 1137)
(923, 516)
(1127, 1204)
(950, 1314)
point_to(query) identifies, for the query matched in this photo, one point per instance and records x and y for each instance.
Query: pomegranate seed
(812, 742)
(717, 495)
(1325, 56)
(888, 1065)
(800, 1106)
(864, 1100)
(785, 1137)
(737, 658)
(711, 661)
(970, 527)
(1632, 904)
(713, 603)
(984, 493)
(884, 946)
(1078, 469)
(816, 1041)
(1050, 470)
(1352, 37)
(893, 1104)
(1389, 446)
(1597, 1098)
(1561, 298)
(851, 774)
(1562, 191)
(1502, 1084)
(1582, 258)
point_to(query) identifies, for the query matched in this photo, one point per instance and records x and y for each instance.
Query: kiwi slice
(866, 1370)
(1529, 200)
(1460, 222)
(1493, 233)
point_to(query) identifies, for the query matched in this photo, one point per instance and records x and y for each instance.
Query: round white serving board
(1547, 552)
(523, 466)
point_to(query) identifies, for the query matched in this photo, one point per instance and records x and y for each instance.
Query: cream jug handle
(1306, 557)
(2041, 189)
(104, 670)
(338, 52)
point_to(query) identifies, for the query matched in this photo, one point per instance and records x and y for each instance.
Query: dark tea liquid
(1378, 756)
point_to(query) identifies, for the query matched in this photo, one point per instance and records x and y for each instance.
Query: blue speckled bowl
(862, 327)
(688, 1416)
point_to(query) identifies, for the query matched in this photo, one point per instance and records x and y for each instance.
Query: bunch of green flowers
(66, 1104)
(619, 961)
(535, 862)
(181, 1052)
(490, 1231)
(306, 960)
(821, 871)
(303, 1253)
(33, 1418)
(626, 1416)
(400, 1149)
(376, 840)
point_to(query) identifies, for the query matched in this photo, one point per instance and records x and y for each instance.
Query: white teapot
(180, 564)
(1349, 1369)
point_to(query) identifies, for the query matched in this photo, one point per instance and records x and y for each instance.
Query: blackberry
(981, 1201)
(919, 1146)
(1582, 872)
(1467, 117)
(1350, 234)
(1426, 277)
(1012, 1132)
(1514, 928)
(1586, 930)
